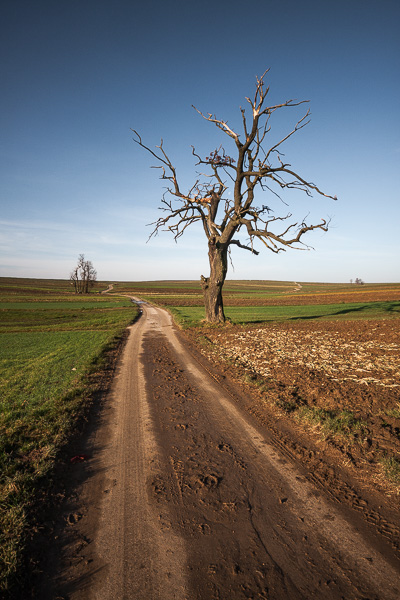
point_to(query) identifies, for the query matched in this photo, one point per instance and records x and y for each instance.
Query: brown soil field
(163, 298)
(157, 291)
(324, 298)
(314, 371)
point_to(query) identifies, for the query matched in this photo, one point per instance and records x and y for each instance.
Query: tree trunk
(212, 286)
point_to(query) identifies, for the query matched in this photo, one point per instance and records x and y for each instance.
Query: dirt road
(188, 499)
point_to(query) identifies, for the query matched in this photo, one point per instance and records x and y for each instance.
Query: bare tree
(83, 276)
(256, 167)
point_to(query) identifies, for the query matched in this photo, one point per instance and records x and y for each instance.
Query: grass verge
(342, 423)
(48, 353)
(391, 468)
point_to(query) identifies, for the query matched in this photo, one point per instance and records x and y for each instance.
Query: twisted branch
(255, 167)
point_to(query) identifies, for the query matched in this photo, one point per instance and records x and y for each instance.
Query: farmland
(340, 381)
(52, 345)
(325, 357)
(248, 302)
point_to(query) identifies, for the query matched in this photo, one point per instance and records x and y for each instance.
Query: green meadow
(191, 316)
(51, 341)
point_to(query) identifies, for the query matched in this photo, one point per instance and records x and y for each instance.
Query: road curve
(191, 502)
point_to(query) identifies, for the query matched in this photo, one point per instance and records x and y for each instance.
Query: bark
(212, 285)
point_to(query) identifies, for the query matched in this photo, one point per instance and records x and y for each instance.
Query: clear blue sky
(77, 75)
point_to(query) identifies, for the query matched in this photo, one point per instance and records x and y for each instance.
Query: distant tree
(358, 281)
(256, 167)
(83, 276)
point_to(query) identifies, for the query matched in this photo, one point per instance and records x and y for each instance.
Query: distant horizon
(198, 280)
(79, 77)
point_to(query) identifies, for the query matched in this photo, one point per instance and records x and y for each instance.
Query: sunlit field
(269, 301)
(50, 342)
(53, 341)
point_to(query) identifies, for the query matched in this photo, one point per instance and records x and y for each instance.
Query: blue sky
(77, 75)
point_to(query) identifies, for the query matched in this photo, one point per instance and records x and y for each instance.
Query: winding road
(187, 499)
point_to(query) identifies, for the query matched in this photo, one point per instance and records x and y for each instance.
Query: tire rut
(253, 547)
(188, 497)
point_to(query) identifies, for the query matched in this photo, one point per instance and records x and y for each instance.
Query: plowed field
(340, 379)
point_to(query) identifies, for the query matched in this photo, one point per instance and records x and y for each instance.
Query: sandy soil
(191, 488)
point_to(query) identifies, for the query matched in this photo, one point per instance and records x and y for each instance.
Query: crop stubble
(326, 368)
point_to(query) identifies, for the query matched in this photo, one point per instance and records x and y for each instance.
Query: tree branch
(237, 243)
(252, 169)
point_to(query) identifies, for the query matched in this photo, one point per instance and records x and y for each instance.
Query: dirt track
(187, 496)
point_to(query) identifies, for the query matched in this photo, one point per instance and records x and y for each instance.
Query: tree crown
(256, 167)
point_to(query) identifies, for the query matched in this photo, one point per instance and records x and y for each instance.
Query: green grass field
(191, 316)
(50, 342)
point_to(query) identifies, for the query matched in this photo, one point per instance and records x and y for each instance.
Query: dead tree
(255, 168)
(83, 276)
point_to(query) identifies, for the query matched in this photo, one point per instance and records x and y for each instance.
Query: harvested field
(371, 354)
(338, 378)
